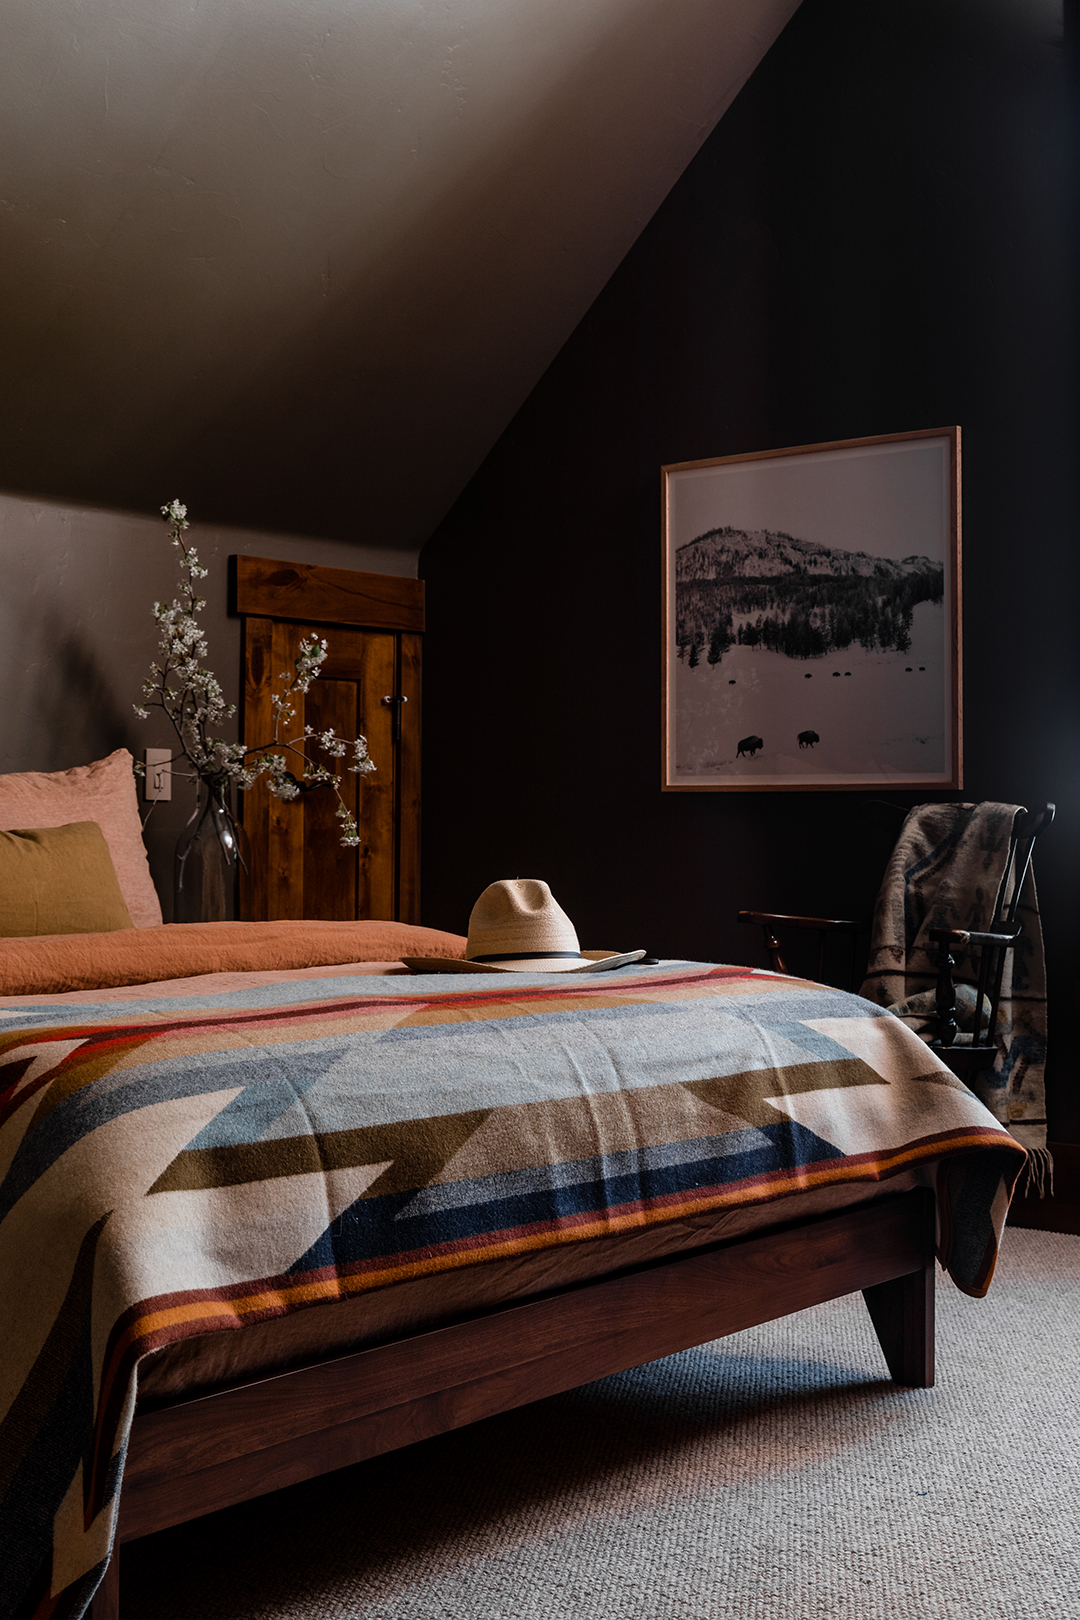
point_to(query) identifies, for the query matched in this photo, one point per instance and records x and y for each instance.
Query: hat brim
(524, 964)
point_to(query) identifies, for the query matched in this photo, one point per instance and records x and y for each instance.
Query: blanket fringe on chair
(1036, 1179)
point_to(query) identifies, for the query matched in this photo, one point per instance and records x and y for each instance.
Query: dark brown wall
(880, 235)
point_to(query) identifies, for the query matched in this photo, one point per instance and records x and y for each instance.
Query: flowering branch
(191, 698)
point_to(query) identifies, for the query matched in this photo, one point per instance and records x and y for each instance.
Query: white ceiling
(299, 261)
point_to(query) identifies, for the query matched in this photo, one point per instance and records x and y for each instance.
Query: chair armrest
(950, 940)
(967, 936)
(765, 918)
(768, 920)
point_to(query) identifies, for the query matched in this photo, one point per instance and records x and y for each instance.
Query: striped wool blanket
(185, 1165)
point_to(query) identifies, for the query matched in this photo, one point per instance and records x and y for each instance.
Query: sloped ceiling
(299, 261)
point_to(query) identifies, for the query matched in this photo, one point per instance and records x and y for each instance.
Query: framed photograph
(812, 617)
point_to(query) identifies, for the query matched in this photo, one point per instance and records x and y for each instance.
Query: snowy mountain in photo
(722, 554)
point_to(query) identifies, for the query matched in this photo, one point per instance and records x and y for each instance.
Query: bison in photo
(749, 745)
(807, 739)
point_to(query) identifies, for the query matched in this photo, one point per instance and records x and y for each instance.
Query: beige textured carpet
(773, 1476)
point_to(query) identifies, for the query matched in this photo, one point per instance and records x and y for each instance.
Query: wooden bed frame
(196, 1455)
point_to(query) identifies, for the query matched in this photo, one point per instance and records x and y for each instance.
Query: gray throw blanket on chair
(946, 872)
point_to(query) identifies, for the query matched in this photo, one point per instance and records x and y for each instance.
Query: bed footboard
(196, 1456)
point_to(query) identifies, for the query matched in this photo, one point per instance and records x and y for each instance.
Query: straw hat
(517, 926)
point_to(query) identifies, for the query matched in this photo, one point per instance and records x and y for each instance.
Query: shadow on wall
(68, 713)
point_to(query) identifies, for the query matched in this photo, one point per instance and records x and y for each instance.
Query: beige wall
(77, 636)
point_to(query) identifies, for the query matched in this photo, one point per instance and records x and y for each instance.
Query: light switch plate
(157, 783)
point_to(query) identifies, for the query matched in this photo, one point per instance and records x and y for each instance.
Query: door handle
(395, 703)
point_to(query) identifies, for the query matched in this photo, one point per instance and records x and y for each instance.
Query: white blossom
(192, 699)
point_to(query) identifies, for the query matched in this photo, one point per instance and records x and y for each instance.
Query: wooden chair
(770, 921)
(977, 1053)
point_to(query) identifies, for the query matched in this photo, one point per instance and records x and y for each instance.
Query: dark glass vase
(209, 854)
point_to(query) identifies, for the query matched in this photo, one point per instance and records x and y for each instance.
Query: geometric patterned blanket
(946, 872)
(186, 1165)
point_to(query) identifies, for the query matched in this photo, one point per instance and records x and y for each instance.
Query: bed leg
(105, 1603)
(902, 1312)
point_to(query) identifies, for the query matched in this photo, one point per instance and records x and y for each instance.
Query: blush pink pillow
(103, 792)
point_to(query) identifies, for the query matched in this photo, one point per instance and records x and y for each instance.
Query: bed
(259, 1223)
(270, 1205)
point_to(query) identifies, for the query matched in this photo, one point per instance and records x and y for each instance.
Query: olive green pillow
(59, 880)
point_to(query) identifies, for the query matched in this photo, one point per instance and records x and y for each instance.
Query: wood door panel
(299, 867)
(330, 869)
(328, 596)
(286, 865)
(257, 722)
(408, 896)
(378, 791)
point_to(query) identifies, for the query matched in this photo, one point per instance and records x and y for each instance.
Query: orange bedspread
(52, 963)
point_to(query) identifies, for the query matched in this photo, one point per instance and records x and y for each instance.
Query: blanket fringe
(1037, 1177)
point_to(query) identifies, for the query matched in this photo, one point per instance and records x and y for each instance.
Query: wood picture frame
(812, 617)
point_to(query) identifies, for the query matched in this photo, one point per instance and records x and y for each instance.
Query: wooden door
(369, 685)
